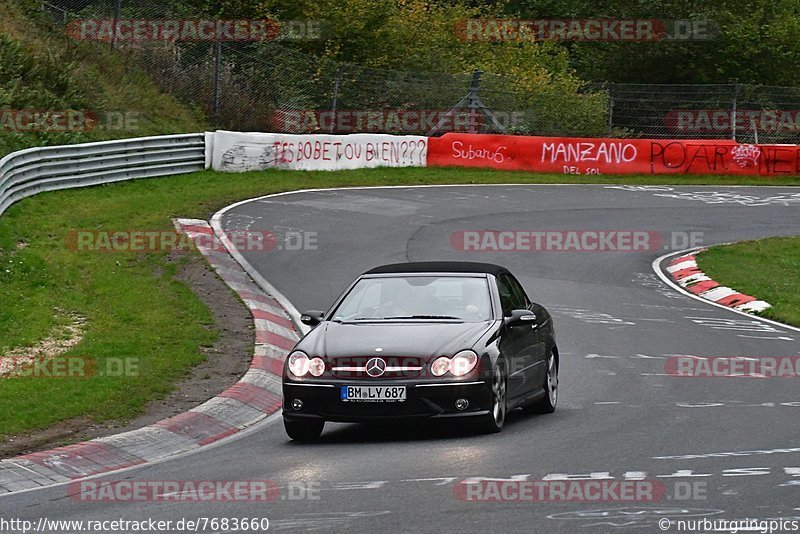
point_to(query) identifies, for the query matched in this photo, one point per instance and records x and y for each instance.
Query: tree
(758, 41)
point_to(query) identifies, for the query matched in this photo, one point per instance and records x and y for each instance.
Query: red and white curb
(254, 397)
(687, 274)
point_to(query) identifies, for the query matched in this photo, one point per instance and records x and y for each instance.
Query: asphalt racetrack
(715, 448)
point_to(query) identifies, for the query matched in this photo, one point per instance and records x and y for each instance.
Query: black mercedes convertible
(428, 340)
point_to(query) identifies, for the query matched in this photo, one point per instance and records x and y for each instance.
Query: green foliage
(401, 55)
(41, 69)
(410, 34)
(758, 41)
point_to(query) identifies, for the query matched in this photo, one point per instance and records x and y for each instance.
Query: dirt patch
(225, 363)
(64, 337)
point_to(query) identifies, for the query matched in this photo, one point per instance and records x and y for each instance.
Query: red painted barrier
(567, 155)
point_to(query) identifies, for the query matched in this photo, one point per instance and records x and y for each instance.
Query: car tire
(547, 404)
(496, 418)
(303, 430)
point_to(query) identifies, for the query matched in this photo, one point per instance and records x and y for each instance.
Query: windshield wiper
(425, 317)
(401, 317)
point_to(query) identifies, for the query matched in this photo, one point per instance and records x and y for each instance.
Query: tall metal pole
(474, 102)
(117, 16)
(475, 105)
(733, 111)
(215, 96)
(337, 81)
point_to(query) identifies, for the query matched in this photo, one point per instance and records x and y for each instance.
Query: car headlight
(440, 366)
(463, 362)
(316, 366)
(299, 363)
(459, 365)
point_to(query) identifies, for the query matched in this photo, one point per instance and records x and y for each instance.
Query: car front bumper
(432, 400)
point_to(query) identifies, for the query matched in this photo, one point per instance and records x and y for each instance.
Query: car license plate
(373, 393)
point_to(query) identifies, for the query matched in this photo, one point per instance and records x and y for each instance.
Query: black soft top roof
(440, 267)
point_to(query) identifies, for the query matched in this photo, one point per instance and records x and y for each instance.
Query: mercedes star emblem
(376, 367)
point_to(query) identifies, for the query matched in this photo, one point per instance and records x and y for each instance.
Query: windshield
(417, 297)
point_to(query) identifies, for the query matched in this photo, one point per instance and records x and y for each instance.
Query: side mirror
(312, 318)
(521, 318)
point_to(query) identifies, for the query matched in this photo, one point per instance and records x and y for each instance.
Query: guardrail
(36, 170)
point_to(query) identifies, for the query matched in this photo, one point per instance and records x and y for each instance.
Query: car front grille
(396, 367)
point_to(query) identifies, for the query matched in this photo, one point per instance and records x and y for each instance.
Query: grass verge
(133, 306)
(768, 269)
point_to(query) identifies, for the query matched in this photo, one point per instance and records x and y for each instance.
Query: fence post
(336, 82)
(475, 106)
(474, 102)
(733, 110)
(48, 9)
(610, 108)
(117, 16)
(215, 95)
